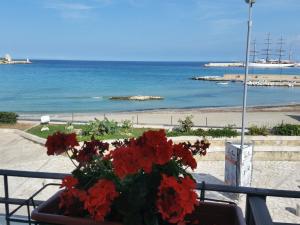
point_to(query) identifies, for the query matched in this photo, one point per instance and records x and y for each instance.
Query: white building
(7, 58)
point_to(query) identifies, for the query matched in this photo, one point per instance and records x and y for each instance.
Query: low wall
(266, 148)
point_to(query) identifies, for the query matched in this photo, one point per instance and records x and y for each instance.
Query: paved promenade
(266, 174)
(21, 154)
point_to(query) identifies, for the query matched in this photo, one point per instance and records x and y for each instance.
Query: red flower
(69, 182)
(185, 155)
(99, 200)
(176, 199)
(60, 142)
(90, 149)
(141, 154)
(125, 161)
(71, 199)
(156, 144)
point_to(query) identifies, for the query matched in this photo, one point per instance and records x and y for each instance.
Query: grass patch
(52, 129)
(121, 134)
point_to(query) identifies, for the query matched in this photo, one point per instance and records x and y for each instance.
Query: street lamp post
(250, 3)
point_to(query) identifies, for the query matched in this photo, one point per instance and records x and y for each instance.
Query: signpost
(238, 164)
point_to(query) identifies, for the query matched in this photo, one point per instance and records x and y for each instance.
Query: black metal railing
(256, 211)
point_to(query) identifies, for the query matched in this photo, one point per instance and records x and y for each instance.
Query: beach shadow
(296, 117)
(291, 210)
(209, 179)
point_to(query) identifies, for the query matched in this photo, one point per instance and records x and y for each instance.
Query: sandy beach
(211, 117)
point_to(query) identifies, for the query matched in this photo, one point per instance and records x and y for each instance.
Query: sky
(143, 30)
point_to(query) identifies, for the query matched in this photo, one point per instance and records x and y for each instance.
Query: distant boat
(271, 65)
(223, 83)
(268, 62)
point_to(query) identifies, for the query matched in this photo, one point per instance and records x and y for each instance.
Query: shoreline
(253, 108)
(202, 117)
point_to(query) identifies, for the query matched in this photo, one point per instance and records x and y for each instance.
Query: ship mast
(280, 50)
(253, 52)
(290, 54)
(267, 51)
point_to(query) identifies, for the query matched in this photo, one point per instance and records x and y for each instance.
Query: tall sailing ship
(267, 61)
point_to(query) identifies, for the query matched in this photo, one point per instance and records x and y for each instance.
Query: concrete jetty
(256, 79)
(7, 59)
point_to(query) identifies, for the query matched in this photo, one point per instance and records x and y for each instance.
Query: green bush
(127, 125)
(107, 126)
(200, 132)
(255, 130)
(8, 117)
(186, 124)
(100, 127)
(91, 128)
(224, 132)
(286, 130)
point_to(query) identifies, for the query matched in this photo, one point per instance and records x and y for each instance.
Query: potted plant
(143, 181)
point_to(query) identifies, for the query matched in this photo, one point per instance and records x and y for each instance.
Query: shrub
(69, 127)
(107, 126)
(200, 132)
(127, 125)
(286, 130)
(8, 117)
(100, 127)
(91, 128)
(186, 124)
(255, 130)
(224, 132)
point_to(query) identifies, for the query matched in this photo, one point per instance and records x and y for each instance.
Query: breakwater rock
(136, 98)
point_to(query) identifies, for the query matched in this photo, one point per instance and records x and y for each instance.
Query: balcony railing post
(6, 196)
(247, 211)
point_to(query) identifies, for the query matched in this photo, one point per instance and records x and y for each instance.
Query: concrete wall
(266, 148)
(269, 148)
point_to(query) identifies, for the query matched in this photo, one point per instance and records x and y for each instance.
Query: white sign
(238, 165)
(45, 119)
(231, 158)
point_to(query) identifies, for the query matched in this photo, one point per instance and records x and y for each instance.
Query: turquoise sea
(85, 86)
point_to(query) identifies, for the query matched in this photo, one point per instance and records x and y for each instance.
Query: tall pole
(250, 2)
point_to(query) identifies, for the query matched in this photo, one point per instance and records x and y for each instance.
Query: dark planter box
(207, 213)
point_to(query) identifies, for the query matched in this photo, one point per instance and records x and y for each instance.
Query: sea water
(85, 86)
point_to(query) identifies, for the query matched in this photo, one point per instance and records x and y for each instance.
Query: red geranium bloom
(71, 199)
(125, 161)
(100, 197)
(176, 199)
(60, 142)
(185, 155)
(69, 182)
(151, 148)
(156, 144)
(90, 149)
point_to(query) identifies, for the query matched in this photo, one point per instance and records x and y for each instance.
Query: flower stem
(71, 159)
